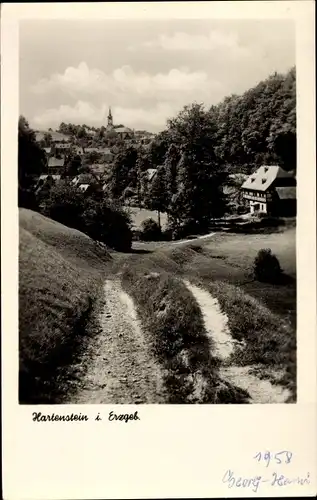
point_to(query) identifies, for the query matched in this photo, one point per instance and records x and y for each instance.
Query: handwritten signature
(276, 479)
(254, 482)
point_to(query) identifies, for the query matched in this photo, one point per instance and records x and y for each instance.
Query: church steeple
(110, 120)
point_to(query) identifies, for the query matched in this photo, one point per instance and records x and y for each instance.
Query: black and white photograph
(157, 211)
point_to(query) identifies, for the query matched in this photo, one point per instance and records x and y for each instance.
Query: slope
(60, 280)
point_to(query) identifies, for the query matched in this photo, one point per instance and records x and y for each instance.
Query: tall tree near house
(158, 148)
(172, 158)
(157, 196)
(73, 165)
(282, 135)
(198, 197)
(123, 171)
(143, 163)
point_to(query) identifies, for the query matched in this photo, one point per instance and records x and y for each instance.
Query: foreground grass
(269, 335)
(178, 337)
(270, 342)
(60, 279)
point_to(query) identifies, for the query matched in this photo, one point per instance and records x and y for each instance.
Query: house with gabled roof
(46, 180)
(271, 190)
(55, 165)
(87, 183)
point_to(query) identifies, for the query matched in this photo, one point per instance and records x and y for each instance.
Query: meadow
(62, 272)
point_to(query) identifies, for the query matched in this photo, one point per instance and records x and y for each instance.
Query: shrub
(63, 202)
(108, 223)
(151, 231)
(266, 266)
(98, 218)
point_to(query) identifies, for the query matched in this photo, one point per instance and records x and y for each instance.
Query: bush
(108, 223)
(98, 218)
(266, 266)
(151, 231)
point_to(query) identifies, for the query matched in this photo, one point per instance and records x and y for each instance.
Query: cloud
(213, 41)
(89, 81)
(138, 98)
(84, 112)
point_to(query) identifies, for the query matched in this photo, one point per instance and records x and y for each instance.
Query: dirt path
(223, 345)
(193, 239)
(216, 322)
(117, 366)
(261, 391)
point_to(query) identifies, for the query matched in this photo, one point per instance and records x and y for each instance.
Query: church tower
(110, 120)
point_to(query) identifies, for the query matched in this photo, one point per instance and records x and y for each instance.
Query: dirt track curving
(223, 345)
(117, 365)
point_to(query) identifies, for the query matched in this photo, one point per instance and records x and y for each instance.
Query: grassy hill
(260, 314)
(60, 277)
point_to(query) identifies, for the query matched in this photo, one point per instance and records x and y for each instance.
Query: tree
(81, 133)
(158, 148)
(73, 165)
(94, 215)
(107, 222)
(172, 158)
(199, 176)
(157, 195)
(63, 128)
(150, 230)
(143, 163)
(65, 204)
(31, 163)
(258, 126)
(123, 172)
(266, 266)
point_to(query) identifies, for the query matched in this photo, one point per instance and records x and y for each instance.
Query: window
(266, 169)
(252, 179)
(263, 180)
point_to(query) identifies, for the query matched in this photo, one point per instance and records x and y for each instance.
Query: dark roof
(286, 193)
(56, 162)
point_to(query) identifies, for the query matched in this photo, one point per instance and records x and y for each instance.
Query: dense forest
(256, 127)
(260, 125)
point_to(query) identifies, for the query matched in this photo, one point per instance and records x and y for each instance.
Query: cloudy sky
(147, 71)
